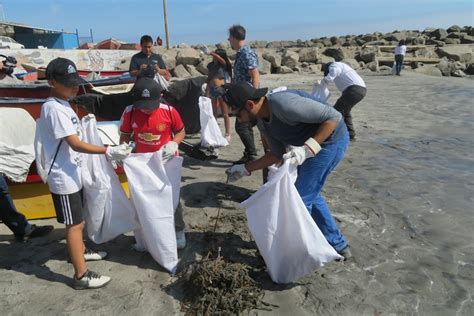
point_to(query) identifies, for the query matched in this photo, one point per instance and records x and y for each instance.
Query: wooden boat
(82, 72)
(41, 89)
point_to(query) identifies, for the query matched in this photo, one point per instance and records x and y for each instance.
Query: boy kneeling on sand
(154, 126)
(59, 133)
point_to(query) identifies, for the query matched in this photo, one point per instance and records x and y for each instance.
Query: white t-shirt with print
(60, 121)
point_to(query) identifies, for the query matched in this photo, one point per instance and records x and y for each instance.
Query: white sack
(108, 211)
(321, 92)
(211, 134)
(394, 68)
(164, 84)
(287, 237)
(154, 188)
(17, 133)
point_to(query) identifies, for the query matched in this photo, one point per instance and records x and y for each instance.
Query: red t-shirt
(151, 131)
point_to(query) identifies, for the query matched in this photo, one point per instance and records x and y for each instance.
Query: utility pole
(166, 25)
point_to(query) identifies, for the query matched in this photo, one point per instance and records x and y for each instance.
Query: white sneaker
(180, 239)
(139, 248)
(91, 255)
(90, 280)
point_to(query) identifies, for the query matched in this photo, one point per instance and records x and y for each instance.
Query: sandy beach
(403, 198)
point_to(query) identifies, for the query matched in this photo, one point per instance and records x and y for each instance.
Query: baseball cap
(237, 94)
(63, 71)
(146, 93)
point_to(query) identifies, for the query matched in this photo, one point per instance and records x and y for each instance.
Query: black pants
(245, 132)
(350, 97)
(398, 63)
(8, 213)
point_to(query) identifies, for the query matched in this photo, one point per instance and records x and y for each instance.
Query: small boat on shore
(82, 72)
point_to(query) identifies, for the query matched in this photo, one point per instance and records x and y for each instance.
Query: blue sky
(206, 21)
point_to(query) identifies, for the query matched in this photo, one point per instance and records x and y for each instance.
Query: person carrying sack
(312, 135)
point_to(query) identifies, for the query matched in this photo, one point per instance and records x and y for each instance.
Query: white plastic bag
(287, 237)
(108, 211)
(211, 135)
(154, 188)
(394, 68)
(321, 92)
(162, 82)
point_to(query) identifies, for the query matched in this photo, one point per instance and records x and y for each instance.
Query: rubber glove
(236, 172)
(298, 154)
(169, 150)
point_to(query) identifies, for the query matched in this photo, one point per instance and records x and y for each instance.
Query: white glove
(169, 150)
(118, 153)
(298, 155)
(236, 172)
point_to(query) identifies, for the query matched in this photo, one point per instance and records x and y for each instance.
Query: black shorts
(69, 207)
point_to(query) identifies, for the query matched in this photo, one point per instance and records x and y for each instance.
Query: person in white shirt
(352, 87)
(59, 154)
(400, 52)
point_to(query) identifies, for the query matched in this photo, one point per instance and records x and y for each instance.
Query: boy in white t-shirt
(59, 133)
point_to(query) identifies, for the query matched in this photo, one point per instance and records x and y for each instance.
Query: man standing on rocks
(352, 87)
(146, 63)
(245, 70)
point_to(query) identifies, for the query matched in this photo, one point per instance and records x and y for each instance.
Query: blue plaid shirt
(246, 60)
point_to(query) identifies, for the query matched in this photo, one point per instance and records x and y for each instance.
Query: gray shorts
(69, 207)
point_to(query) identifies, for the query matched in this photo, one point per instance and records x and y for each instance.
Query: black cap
(146, 93)
(63, 71)
(237, 94)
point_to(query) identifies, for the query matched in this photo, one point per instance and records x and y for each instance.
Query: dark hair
(402, 42)
(237, 31)
(146, 39)
(326, 68)
(228, 65)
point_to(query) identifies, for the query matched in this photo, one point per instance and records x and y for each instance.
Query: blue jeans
(312, 175)
(8, 213)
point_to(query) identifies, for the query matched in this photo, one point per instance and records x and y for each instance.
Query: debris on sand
(215, 285)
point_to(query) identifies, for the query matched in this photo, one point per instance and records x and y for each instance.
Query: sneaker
(139, 248)
(91, 255)
(35, 231)
(90, 280)
(346, 253)
(245, 158)
(180, 239)
(352, 138)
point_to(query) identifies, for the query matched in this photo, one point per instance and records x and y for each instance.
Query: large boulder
(396, 37)
(193, 71)
(309, 55)
(258, 44)
(202, 67)
(168, 55)
(273, 57)
(188, 56)
(423, 52)
(264, 66)
(452, 41)
(323, 59)
(429, 70)
(290, 58)
(469, 69)
(223, 45)
(373, 66)
(284, 70)
(415, 40)
(368, 54)
(459, 73)
(439, 34)
(315, 69)
(352, 63)
(181, 72)
(454, 28)
(336, 53)
(456, 35)
(446, 67)
(467, 39)
(462, 53)
(381, 42)
(335, 40)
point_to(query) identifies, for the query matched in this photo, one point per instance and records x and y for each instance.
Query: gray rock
(273, 57)
(181, 72)
(360, 41)
(297, 69)
(314, 69)
(397, 36)
(429, 30)
(373, 66)
(290, 58)
(168, 55)
(462, 53)
(258, 44)
(336, 53)
(459, 73)
(454, 28)
(416, 64)
(446, 67)
(385, 69)
(370, 38)
(423, 52)
(456, 35)
(310, 55)
(223, 45)
(264, 66)
(415, 40)
(188, 56)
(467, 39)
(362, 65)
(368, 54)
(335, 40)
(439, 34)
(284, 70)
(327, 42)
(377, 43)
(469, 69)
(429, 70)
(193, 71)
(452, 41)
(202, 67)
(323, 59)
(352, 63)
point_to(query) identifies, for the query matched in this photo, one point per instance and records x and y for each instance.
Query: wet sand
(403, 198)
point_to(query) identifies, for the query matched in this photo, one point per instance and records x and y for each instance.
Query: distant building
(32, 37)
